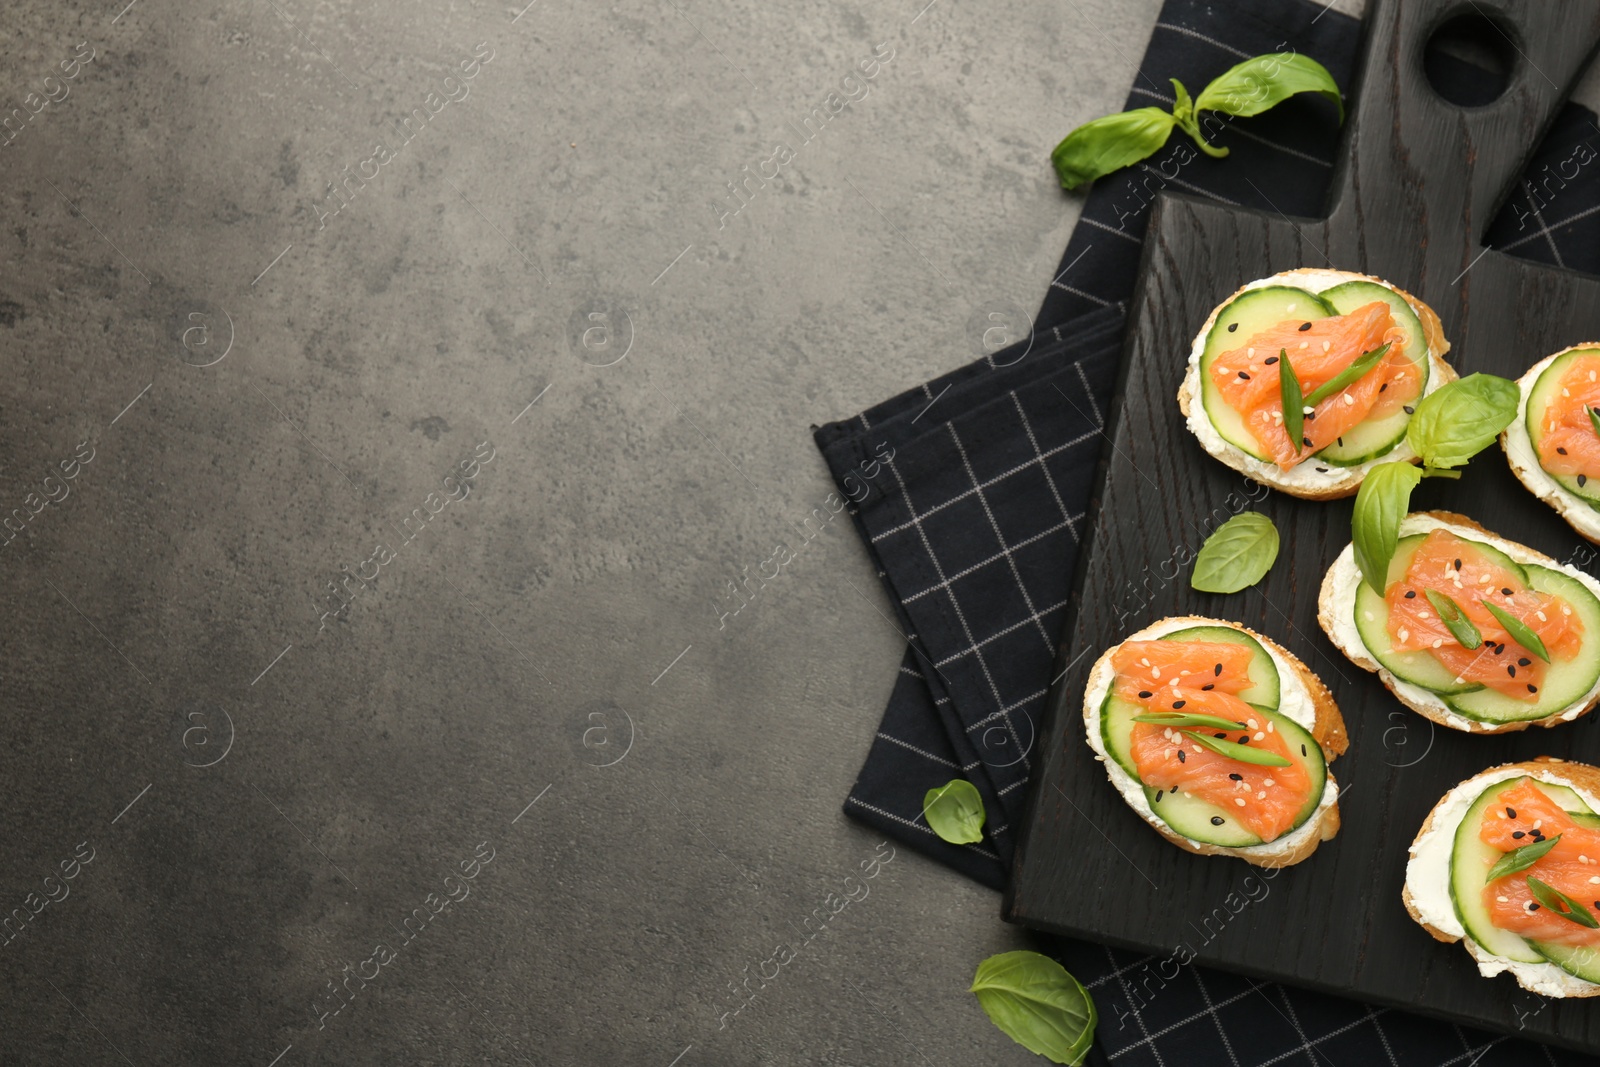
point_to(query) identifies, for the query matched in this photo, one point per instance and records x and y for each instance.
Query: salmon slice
(1247, 378)
(1455, 567)
(1569, 445)
(1523, 815)
(1143, 665)
(1208, 675)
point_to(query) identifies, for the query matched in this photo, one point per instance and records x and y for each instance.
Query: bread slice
(1524, 460)
(1335, 606)
(1326, 727)
(1446, 927)
(1304, 480)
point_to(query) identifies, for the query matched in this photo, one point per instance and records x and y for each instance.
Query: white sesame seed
(1503, 900)
(1268, 782)
(1145, 661)
(1425, 615)
(1292, 306)
(1566, 610)
(1305, 344)
(1156, 671)
(1250, 353)
(1169, 753)
(1327, 345)
(1189, 796)
(1269, 726)
(1405, 635)
(1261, 794)
(1591, 376)
(1260, 734)
(1538, 823)
(1252, 724)
(1239, 801)
(1438, 642)
(1566, 392)
(1368, 614)
(1541, 616)
(1460, 681)
(1348, 399)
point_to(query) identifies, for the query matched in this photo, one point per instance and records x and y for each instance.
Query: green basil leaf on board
(1097, 148)
(1460, 627)
(1520, 859)
(1382, 501)
(1036, 1003)
(955, 812)
(1237, 555)
(1264, 82)
(1461, 419)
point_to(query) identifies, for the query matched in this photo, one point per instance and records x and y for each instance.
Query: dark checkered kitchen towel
(970, 491)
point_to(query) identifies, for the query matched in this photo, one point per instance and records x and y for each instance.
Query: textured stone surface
(180, 186)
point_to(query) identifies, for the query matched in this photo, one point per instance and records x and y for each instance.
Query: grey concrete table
(390, 393)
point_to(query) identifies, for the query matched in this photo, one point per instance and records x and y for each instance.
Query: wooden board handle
(1436, 167)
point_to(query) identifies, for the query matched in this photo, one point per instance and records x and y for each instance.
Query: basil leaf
(1266, 81)
(1183, 107)
(1237, 555)
(1243, 753)
(1349, 376)
(1518, 631)
(1172, 718)
(1036, 1003)
(955, 812)
(1461, 419)
(1561, 904)
(1520, 859)
(1460, 627)
(1294, 405)
(1382, 501)
(1097, 148)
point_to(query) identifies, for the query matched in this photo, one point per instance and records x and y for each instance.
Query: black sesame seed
(1270, 360)
(1222, 737)
(1237, 777)
(1532, 688)
(1533, 907)
(1306, 441)
(1232, 326)
(1176, 704)
(1217, 670)
(1511, 813)
(1216, 820)
(1311, 416)
(1524, 661)
(1408, 409)
(1207, 686)
(1512, 671)
(1582, 478)
(1341, 442)
(1245, 376)
(1411, 594)
(1322, 470)
(1458, 564)
(1505, 592)
(1519, 835)
(1561, 451)
(1382, 387)
(1181, 758)
(1302, 750)
(1304, 326)
(1245, 740)
(1159, 795)
(1144, 694)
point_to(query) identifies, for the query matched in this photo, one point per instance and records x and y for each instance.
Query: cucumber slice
(1372, 622)
(1369, 440)
(1200, 821)
(1263, 672)
(1586, 819)
(1470, 860)
(1582, 961)
(1539, 397)
(1566, 681)
(1248, 314)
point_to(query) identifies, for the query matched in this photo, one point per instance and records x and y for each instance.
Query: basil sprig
(1518, 631)
(1449, 427)
(1173, 718)
(1097, 148)
(1294, 404)
(1460, 627)
(1235, 751)
(1561, 904)
(1036, 1003)
(1349, 376)
(955, 812)
(1237, 555)
(1520, 859)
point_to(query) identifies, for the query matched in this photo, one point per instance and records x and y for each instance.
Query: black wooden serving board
(1418, 182)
